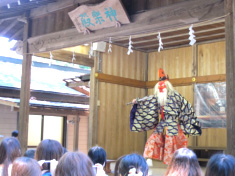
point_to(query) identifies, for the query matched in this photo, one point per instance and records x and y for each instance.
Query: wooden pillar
(93, 110)
(25, 92)
(230, 73)
(76, 133)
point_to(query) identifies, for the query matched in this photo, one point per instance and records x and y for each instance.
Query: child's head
(49, 149)
(97, 155)
(133, 161)
(221, 165)
(184, 162)
(76, 164)
(25, 166)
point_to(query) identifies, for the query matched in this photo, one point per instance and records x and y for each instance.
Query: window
(210, 104)
(45, 127)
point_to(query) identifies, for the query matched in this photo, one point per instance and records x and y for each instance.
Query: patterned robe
(169, 135)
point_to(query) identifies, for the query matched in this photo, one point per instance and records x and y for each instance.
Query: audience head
(14, 133)
(25, 166)
(49, 149)
(133, 161)
(9, 151)
(30, 153)
(221, 165)
(184, 162)
(97, 155)
(116, 169)
(76, 164)
(64, 150)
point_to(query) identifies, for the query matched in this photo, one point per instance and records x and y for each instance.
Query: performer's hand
(134, 101)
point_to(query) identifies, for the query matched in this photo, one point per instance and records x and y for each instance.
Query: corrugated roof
(43, 77)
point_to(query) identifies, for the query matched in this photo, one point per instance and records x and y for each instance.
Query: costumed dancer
(170, 114)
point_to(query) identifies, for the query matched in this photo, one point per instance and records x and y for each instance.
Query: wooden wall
(52, 22)
(113, 119)
(8, 121)
(82, 134)
(178, 63)
(211, 61)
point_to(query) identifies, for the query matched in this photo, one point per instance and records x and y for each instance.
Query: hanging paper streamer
(110, 45)
(160, 47)
(91, 51)
(130, 47)
(73, 58)
(191, 35)
(51, 58)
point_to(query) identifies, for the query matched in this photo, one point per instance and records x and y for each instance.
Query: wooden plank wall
(211, 61)
(82, 134)
(113, 119)
(52, 22)
(178, 63)
(8, 121)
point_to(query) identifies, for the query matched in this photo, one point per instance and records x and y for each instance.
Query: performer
(170, 114)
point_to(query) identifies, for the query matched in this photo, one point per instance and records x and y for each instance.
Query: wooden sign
(108, 13)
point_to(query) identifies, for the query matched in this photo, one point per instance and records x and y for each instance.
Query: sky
(5, 48)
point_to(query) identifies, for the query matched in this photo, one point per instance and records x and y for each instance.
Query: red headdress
(162, 76)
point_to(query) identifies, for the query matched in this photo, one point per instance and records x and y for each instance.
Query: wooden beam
(25, 92)
(150, 84)
(45, 96)
(178, 41)
(66, 56)
(8, 28)
(185, 45)
(93, 108)
(73, 84)
(191, 80)
(55, 111)
(76, 133)
(79, 89)
(230, 73)
(154, 38)
(19, 32)
(173, 16)
(120, 80)
(9, 103)
(52, 7)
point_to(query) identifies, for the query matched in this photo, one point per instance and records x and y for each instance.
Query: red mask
(161, 86)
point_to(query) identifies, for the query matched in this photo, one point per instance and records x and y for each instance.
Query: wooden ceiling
(211, 31)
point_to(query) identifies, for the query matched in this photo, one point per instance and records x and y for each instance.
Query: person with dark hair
(75, 164)
(30, 153)
(116, 169)
(14, 133)
(64, 150)
(47, 154)
(97, 155)
(133, 164)
(9, 151)
(184, 163)
(25, 166)
(221, 165)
